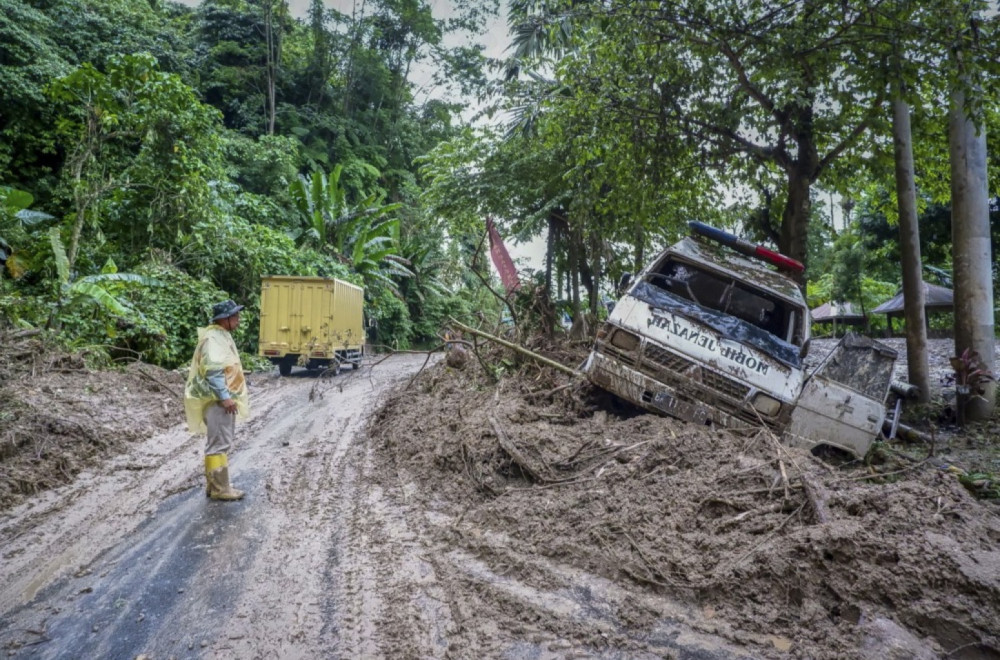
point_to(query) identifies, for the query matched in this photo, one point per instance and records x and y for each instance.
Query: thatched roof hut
(833, 312)
(839, 314)
(936, 299)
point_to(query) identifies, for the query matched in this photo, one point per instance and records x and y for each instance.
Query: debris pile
(769, 539)
(57, 416)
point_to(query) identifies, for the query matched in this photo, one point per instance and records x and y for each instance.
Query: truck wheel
(284, 368)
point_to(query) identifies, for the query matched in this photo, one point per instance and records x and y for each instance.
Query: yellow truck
(316, 322)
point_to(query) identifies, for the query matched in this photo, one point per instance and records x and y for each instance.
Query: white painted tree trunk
(971, 254)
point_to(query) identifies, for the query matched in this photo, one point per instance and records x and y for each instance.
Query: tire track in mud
(377, 568)
(398, 607)
(293, 606)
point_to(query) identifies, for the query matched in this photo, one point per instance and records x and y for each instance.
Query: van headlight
(766, 405)
(624, 340)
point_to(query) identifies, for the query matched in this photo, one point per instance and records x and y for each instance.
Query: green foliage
(435, 313)
(141, 128)
(234, 255)
(984, 485)
(393, 326)
(167, 333)
(230, 38)
(101, 291)
(22, 311)
(16, 224)
(848, 267)
(30, 57)
(363, 234)
(265, 166)
(143, 152)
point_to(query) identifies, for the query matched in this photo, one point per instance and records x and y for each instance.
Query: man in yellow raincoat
(216, 394)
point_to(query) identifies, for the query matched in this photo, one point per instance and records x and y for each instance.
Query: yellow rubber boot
(217, 476)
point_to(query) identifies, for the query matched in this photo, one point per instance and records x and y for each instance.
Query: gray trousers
(221, 430)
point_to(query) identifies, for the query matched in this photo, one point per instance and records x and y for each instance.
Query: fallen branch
(547, 393)
(23, 334)
(158, 382)
(766, 539)
(514, 347)
(423, 366)
(882, 475)
(909, 434)
(771, 508)
(515, 453)
(817, 497)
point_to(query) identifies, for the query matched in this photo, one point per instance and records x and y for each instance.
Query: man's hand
(229, 405)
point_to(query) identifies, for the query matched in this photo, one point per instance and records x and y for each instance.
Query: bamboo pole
(514, 347)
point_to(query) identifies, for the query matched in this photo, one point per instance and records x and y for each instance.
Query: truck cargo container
(316, 322)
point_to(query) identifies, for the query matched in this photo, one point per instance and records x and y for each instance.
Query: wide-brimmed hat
(225, 309)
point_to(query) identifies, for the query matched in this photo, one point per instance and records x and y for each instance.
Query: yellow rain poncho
(216, 351)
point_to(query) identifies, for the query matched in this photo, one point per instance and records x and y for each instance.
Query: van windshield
(733, 308)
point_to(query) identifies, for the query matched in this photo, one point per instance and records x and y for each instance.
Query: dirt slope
(905, 565)
(58, 417)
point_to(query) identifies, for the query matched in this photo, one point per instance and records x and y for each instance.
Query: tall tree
(909, 247)
(972, 261)
(142, 152)
(971, 256)
(272, 56)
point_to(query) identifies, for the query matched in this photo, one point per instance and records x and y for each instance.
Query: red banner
(501, 258)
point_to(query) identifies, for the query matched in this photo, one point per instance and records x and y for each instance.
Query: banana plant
(376, 258)
(74, 292)
(16, 220)
(426, 263)
(364, 234)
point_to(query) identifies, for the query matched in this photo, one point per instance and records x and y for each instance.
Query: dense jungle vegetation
(156, 157)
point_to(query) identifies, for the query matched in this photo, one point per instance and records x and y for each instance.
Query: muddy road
(323, 558)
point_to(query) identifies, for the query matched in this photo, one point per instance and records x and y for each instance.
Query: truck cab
(710, 336)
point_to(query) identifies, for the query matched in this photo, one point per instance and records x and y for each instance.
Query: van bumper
(645, 392)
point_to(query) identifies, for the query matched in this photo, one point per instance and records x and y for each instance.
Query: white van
(709, 336)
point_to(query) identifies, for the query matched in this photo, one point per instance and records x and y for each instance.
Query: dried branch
(514, 347)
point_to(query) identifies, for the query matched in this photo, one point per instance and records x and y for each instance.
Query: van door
(842, 403)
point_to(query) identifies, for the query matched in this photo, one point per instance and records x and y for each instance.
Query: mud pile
(788, 553)
(57, 416)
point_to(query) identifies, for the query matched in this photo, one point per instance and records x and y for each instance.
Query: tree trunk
(795, 218)
(574, 271)
(909, 247)
(550, 250)
(971, 255)
(639, 252)
(596, 268)
(81, 201)
(272, 64)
